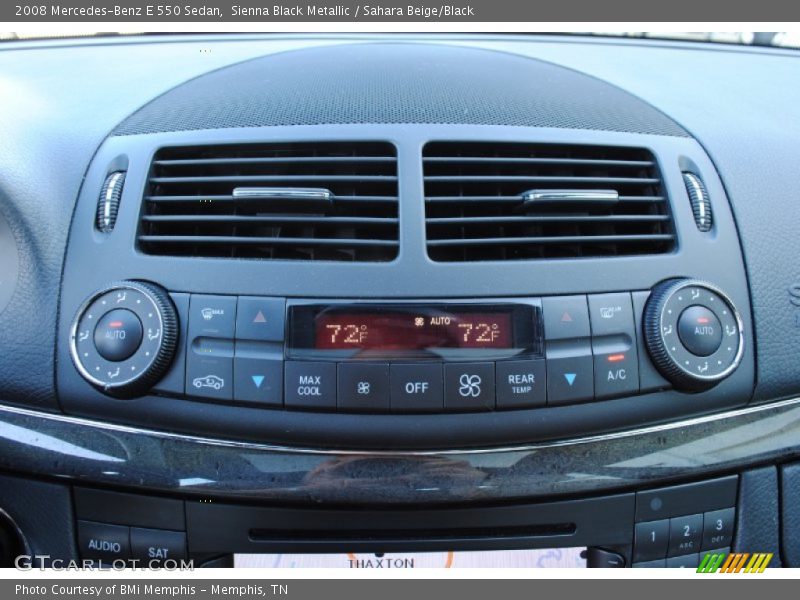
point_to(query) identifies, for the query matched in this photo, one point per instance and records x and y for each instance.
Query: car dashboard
(312, 294)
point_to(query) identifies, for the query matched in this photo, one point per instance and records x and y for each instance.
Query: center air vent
(486, 201)
(299, 201)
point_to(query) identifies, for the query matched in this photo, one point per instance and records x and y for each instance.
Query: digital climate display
(458, 331)
(412, 331)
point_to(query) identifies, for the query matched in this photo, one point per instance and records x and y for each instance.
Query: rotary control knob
(123, 338)
(693, 333)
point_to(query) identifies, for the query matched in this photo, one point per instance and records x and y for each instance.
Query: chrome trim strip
(253, 446)
(602, 196)
(109, 194)
(283, 193)
(702, 198)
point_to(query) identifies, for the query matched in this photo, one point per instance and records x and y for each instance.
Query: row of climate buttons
(233, 351)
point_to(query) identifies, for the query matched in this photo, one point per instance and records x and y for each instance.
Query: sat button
(154, 546)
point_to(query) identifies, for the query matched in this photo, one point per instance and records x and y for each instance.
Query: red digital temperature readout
(408, 331)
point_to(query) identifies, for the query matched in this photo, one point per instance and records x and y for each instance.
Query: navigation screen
(523, 559)
(412, 331)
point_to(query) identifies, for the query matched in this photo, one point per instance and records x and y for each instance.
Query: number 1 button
(650, 541)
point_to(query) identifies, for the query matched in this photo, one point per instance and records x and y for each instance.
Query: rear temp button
(521, 383)
(118, 335)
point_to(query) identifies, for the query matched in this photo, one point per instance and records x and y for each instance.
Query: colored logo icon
(738, 562)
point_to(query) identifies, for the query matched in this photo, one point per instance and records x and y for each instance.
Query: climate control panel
(406, 357)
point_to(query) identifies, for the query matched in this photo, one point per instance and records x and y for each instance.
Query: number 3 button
(718, 529)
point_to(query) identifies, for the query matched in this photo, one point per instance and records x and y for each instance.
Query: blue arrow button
(570, 377)
(258, 380)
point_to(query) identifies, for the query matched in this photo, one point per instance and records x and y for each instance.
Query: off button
(417, 388)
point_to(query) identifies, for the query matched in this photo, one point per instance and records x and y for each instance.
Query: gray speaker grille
(397, 83)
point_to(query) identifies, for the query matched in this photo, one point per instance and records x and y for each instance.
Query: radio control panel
(407, 356)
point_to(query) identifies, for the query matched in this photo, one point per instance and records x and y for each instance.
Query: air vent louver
(299, 201)
(488, 201)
